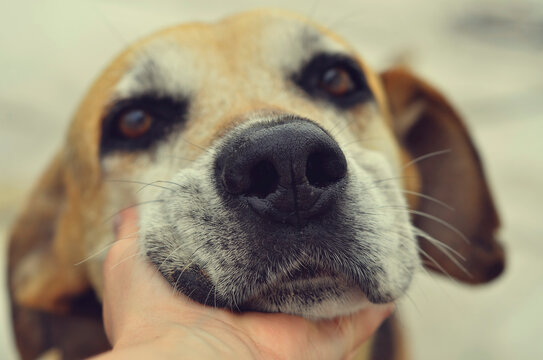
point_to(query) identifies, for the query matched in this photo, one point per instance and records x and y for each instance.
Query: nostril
(324, 169)
(263, 179)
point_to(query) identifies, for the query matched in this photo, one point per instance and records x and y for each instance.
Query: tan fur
(58, 227)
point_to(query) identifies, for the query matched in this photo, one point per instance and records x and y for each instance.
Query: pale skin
(145, 319)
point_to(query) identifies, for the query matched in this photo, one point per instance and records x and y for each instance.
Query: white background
(487, 56)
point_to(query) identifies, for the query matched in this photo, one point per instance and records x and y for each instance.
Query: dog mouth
(303, 282)
(302, 275)
(305, 288)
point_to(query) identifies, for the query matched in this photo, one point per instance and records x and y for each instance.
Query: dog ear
(450, 171)
(45, 245)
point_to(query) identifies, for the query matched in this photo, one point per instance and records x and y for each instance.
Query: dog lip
(304, 279)
(291, 214)
(307, 290)
(303, 282)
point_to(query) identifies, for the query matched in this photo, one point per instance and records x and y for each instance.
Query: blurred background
(487, 56)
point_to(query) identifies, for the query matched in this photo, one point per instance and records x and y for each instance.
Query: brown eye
(337, 82)
(134, 123)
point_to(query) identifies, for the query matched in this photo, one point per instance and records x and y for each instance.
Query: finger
(118, 267)
(135, 293)
(126, 229)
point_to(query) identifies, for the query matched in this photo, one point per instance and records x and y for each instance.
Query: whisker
(442, 222)
(159, 181)
(380, 181)
(362, 140)
(430, 198)
(174, 286)
(234, 301)
(426, 156)
(412, 301)
(187, 295)
(439, 245)
(433, 261)
(185, 244)
(196, 145)
(189, 264)
(424, 196)
(139, 182)
(107, 247)
(423, 268)
(433, 240)
(416, 244)
(126, 259)
(132, 206)
(209, 293)
(215, 297)
(337, 126)
(169, 182)
(428, 216)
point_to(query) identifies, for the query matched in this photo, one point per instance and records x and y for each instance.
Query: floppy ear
(44, 243)
(50, 304)
(426, 124)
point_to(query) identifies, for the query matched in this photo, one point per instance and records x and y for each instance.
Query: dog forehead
(186, 59)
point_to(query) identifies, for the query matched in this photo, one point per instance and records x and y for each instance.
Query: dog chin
(315, 305)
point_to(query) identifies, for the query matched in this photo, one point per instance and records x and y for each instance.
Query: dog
(272, 170)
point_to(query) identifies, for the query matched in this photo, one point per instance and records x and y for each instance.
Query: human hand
(145, 319)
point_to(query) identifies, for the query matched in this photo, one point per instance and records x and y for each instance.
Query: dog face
(272, 170)
(273, 210)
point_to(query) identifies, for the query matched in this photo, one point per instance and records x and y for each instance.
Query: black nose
(288, 171)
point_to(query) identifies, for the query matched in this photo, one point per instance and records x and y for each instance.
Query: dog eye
(134, 123)
(337, 82)
(336, 78)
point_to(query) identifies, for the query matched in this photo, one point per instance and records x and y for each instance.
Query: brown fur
(457, 178)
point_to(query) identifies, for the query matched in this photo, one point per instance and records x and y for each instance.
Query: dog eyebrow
(148, 77)
(163, 68)
(309, 38)
(300, 44)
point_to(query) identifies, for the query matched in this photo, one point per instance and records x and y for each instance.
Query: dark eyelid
(166, 112)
